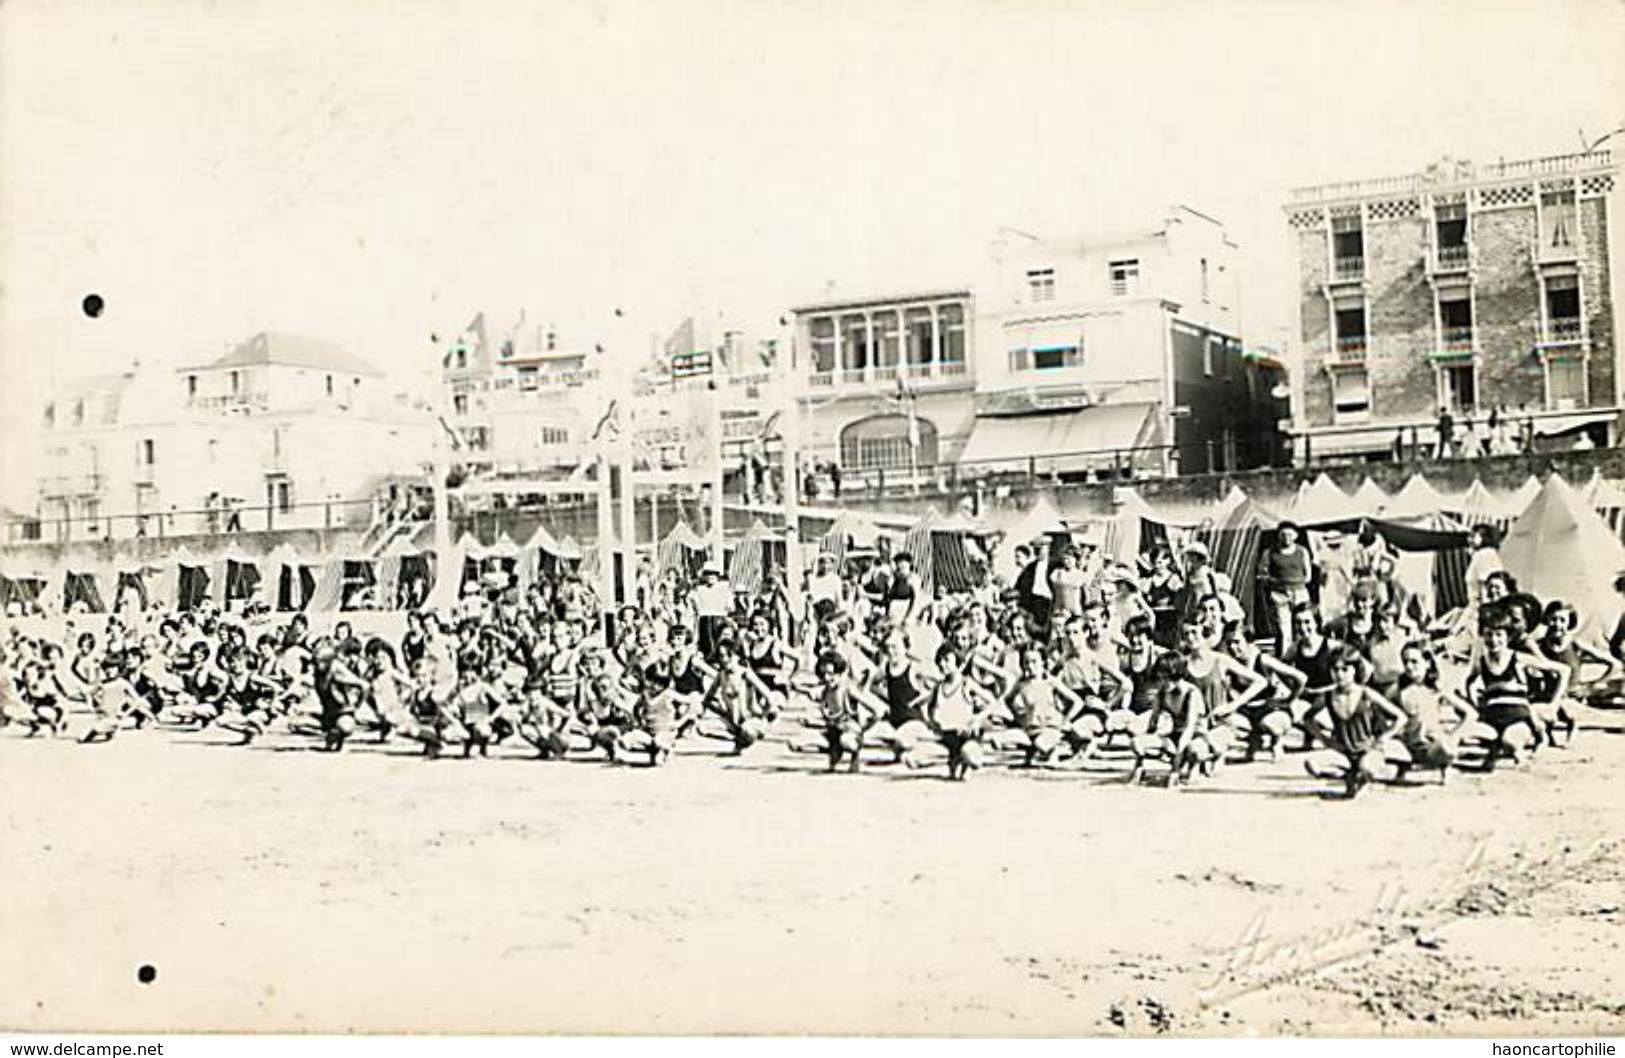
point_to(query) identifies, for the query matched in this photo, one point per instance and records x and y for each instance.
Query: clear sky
(374, 171)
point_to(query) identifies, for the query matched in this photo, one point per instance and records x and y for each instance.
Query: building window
(1057, 357)
(1557, 224)
(329, 385)
(528, 378)
(1563, 309)
(1125, 276)
(79, 413)
(1351, 333)
(1041, 284)
(191, 387)
(459, 403)
(1450, 234)
(855, 354)
(50, 415)
(460, 357)
(951, 333)
(1456, 325)
(148, 452)
(1351, 395)
(885, 335)
(1021, 359)
(236, 383)
(554, 435)
(882, 443)
(1458, 387)
(821, 336)
(1566, 383)
(1206, 290)
(922, 346)
(1348, 247)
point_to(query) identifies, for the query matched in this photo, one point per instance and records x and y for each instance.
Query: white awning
(1061, 441)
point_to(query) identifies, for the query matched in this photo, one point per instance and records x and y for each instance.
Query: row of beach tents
(1575, 531)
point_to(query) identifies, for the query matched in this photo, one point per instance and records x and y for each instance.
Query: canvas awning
(1066, 440)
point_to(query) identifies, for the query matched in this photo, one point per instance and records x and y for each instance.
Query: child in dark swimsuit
(1359, 718)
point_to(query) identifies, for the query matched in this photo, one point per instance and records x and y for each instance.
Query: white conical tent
(1602, 494)
(1560, 548)
(1370, 499)
(1478, 504)
(1416, 498)
(1521, 497)
(1322, 501)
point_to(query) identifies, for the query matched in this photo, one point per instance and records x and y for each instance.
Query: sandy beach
(273, 887)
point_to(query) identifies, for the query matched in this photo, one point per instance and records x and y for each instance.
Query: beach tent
(1232, 500)
(850, 529)
(86, 588)
(681, 550)
(1322, 501)
(280, 570)
(21, 585)
(751, 561)
(1417, 497)
(191, 579)
(405, 575)
(344, 582)
(1559, 548)
(1514, 503)
(1602, 494)
(1369, 498)
(240, 577)
(1479, 506)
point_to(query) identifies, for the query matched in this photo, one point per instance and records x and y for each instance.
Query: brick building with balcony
(1467, 288)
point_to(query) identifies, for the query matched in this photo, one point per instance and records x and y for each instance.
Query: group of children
(869, 673)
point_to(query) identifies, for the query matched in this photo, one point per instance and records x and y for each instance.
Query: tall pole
(629, 525)
(445, 578)
(714, 414)
(790, 437)
(606, 537)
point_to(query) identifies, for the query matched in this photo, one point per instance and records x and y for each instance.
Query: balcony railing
(1348, 269)
(1351, 348)
(1564, 331)
(1451, 258)
(1456, 340)
(886, 374)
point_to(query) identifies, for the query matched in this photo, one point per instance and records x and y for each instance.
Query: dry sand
(278, 888)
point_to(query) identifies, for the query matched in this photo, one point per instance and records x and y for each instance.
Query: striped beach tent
(748, 570)
(679, 550)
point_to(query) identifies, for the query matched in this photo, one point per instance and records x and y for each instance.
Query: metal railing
(887, 373)
(1456, 339)
(177, 522)
(1351, 348)
(1563, 331)
(1349, 268)
(1451, 258)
